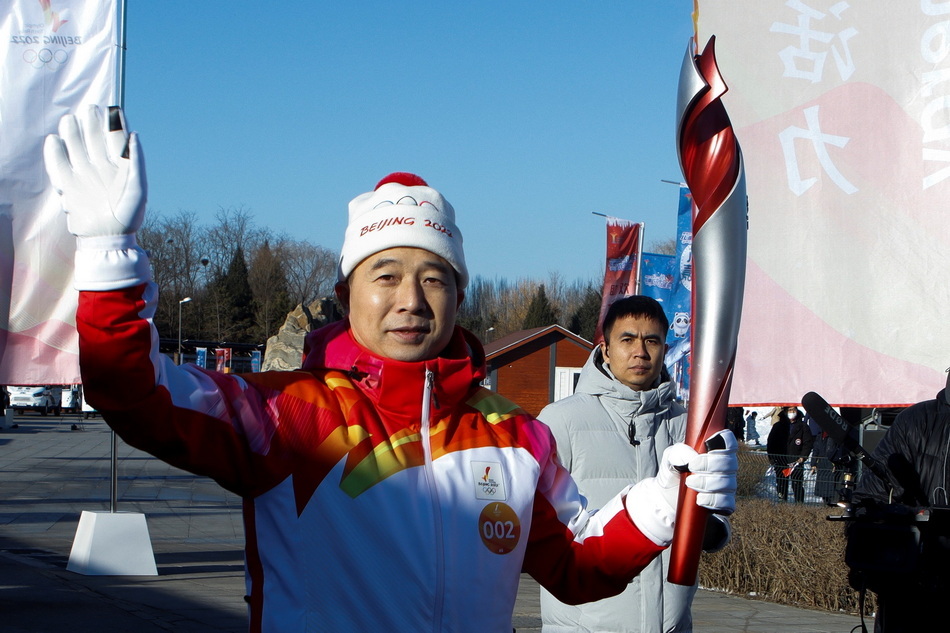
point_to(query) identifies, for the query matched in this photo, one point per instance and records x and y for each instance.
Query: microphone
(838, 429)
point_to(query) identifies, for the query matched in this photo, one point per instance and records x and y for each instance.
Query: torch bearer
(712, 166)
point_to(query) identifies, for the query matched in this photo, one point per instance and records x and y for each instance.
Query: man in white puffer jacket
(612, 431)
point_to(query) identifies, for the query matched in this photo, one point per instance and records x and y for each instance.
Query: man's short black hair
(636, 306)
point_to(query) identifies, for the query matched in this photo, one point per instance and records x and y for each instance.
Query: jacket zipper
(427, 396)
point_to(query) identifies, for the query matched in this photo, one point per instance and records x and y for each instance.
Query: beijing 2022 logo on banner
(44, 45)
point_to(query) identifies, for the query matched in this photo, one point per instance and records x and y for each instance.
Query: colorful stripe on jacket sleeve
(204, 422)
(578, 555)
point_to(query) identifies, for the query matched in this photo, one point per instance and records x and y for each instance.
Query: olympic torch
(712, 166)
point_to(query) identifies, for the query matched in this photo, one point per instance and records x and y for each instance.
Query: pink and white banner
(56, 56)
(842, 109)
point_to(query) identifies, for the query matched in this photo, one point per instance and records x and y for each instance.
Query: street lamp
(185, 300)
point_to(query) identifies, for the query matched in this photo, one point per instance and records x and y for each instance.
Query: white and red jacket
(379, 495)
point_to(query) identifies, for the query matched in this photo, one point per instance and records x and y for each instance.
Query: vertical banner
(222, 360)
(255, 360)
(660, 279)
(201, 359)
(845, 120)
(622, 273)
(681, 298)
(57, 56)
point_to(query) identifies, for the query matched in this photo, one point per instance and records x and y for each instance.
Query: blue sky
(527, 116)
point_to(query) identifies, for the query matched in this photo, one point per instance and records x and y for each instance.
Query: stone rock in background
(284, 352)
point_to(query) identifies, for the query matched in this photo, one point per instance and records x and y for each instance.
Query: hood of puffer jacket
(395, 386)
(596, 379)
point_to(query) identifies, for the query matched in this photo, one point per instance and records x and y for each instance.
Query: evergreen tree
(234, 301)
(540, 311)
(271, 297)
(584, 320)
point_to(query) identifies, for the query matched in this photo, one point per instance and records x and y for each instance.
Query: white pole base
(112, 544)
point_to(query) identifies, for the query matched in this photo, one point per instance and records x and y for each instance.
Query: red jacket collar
(396, 386)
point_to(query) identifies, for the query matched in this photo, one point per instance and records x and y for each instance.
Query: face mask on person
(792, 415)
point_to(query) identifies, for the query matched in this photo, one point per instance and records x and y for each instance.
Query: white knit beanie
(402, 211)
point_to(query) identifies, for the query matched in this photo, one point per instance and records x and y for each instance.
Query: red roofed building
(536, 367)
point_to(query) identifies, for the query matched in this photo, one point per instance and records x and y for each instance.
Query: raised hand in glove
(651, 504)
(98, 169)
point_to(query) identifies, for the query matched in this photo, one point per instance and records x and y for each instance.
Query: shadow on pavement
(37, 594)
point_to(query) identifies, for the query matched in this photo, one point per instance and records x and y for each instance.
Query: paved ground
(50, 473)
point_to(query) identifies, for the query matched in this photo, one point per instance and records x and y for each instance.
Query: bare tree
(477, 312)
(663, 247)
(173, 244)
(513, 300)
(310, 270)
(235, 227)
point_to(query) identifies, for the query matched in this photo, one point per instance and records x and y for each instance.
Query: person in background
(383, 488)
(789, 444)
(797, 449)
(612, 431)
(751, 432)
(735, 422)
(775, 446)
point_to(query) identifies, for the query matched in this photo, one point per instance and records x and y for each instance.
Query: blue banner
(658, 277)
(679, 307)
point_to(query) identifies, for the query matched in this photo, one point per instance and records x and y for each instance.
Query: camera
(894, 545)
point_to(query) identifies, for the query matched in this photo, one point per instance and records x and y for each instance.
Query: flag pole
(636, 287)
(120, 67)
(120, 101)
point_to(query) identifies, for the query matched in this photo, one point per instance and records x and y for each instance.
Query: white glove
(651, 503)
(713, 475)
(103, 194)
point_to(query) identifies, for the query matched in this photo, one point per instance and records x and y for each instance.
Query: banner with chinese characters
(844, 121)
(56, 57)
(623, 264)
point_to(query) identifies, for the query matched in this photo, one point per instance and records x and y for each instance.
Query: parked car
(71, 398)
(43, 398)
